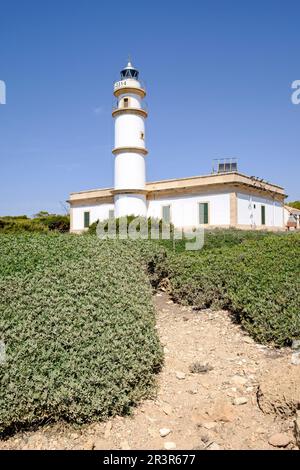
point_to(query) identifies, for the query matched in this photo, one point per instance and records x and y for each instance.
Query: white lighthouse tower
(129, 149)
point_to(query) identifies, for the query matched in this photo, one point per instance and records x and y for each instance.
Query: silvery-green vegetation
(78, 323)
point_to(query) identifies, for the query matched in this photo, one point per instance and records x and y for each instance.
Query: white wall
(130, 172)
(130, 204)
(134, 101)
(97, 212)
(128, 130)
(249, 211)
(185, 212)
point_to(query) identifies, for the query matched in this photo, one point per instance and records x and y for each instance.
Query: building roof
(214, 181)
(292, 210)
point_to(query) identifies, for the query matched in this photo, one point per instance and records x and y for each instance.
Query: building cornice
(137, 111)
(168, 188)
(124, 90)
(142, 150)
(129, 191)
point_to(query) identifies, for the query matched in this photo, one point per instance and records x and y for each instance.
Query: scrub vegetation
(77, 318)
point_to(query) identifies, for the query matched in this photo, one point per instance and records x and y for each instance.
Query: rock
(222, 411)
(169, 445)
(180, 375)
(164, 432)
(240, 401)
(167, 409)
(284, 399)
(209, 425)
(296, 344)
(295, 359)
(166, 350)
(238, 380)
(213, 446)
(124, 445)
(297, 429)
(279, 440)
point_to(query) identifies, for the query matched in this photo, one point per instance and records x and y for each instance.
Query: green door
(86, 219)
(263, 215)
(203, 213)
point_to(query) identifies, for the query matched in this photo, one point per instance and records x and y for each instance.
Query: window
(86, 217)
(203, 213)
(126, 102)
(142, 135)
(111, 214)
(166, 214)
(263, 215)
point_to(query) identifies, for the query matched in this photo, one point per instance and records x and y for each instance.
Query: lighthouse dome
(129, 72)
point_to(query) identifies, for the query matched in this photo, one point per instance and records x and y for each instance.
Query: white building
(225, 198)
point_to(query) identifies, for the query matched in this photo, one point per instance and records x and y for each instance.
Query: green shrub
(218, 238)
(19, 225)
(126, 221)
(44, 223)
(60, 223)
(257, 280)
(78, 323)
(294, 204)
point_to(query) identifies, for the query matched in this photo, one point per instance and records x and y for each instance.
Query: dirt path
(201, 410)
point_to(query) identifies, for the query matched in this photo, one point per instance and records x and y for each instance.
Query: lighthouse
(129, 147)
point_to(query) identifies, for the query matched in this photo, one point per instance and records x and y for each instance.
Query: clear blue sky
(218, 76)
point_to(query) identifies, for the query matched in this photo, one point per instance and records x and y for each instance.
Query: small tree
(294, 204)
(41, 214)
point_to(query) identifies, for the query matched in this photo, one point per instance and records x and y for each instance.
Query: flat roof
(189, 184)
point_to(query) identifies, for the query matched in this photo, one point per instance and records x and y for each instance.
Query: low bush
(60, 223)
(19, 225)
(257, 280)
(78, 323)
(142, 223)
(44, 223)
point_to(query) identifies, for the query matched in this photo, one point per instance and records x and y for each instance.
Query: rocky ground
(207, 394)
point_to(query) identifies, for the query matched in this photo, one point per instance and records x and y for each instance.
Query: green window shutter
(203, 213)
(263, 215)
(166, 214)
(86, 219)
(111, 214)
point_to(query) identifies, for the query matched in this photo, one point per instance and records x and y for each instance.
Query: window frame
(263, 214)
(207, 203)
(88, 215)
(170, 214)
